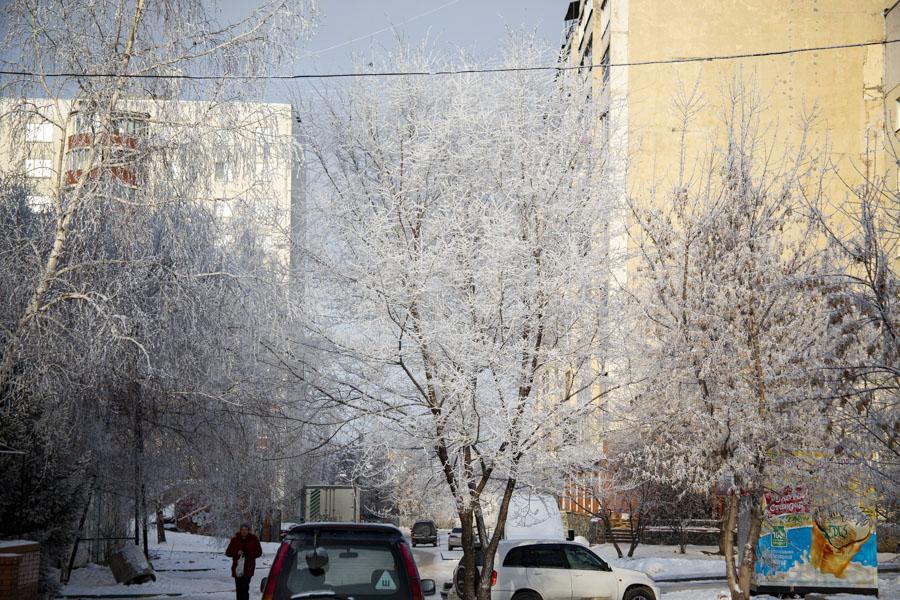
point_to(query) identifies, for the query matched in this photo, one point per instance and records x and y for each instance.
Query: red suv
(362, 561)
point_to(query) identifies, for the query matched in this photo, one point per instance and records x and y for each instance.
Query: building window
(223, 171)
(587, 59)
(126, 126)
(76, 159)
(265, 140)
(39, 132)
(223, 209)
(39, 204)
(86, 122)
(604, 66)
(263, 171)
(38, 167)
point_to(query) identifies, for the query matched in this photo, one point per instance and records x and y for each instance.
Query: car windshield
(364, 567)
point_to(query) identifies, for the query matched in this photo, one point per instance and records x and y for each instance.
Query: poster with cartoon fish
(804, 550)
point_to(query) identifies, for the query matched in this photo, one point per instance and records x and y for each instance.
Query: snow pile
(665, 562)
(673, 568)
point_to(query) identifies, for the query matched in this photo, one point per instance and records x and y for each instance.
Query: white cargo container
(331, 503)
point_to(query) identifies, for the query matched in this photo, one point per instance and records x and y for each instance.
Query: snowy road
(191, 567)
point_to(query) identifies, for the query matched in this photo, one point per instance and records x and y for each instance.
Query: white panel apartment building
(240, 157)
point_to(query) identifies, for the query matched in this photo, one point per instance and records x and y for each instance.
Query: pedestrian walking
(243, 549)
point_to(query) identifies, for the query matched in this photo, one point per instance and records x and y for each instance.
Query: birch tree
(132, 312)
(111, 53)
(458, 293)
(730, 294)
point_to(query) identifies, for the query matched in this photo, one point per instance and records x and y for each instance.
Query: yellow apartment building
(891, 89)
(638, 47)
(636, 86)
(239, 157)
(836, 59)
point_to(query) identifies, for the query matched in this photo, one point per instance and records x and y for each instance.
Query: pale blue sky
(478, 26)
(354, 27)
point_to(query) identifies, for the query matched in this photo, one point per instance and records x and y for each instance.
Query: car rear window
(422, 528)
(457, 530)
(366, 567)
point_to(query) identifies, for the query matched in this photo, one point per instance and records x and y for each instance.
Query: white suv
(559, 570)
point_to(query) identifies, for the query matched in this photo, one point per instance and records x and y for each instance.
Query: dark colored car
(424, 532)
(363, 561)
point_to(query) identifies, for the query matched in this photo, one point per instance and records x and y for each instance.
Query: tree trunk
(743, 524)
(634, 527)
(748, 554)
(87, 505)
(607, 524)
(489, 547)
(468, 559)
(731, 510)
(144, 519)
(137, 508)
(740, 574)
(137, 460)
(160, 526)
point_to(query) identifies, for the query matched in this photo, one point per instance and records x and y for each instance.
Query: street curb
(138, 595)
(689, 579)
(108, 596)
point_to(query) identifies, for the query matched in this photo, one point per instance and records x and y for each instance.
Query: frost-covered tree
(132, 53)
(621, 486)
(458, 283)
(731, 319)
(863, 370)
(133, 319)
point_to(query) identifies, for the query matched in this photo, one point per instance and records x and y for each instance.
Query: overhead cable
(448, 72)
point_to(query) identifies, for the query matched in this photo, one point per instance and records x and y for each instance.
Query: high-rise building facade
(648, 60)
(821, 57)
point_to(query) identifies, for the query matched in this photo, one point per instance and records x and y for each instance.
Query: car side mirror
(428, 587)
(262, 585)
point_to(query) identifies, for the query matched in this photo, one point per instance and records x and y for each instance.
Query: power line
(447, 72)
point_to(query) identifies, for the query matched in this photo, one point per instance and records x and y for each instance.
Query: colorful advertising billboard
(804, 550)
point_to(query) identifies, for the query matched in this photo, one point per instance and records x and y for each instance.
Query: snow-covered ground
(194, 567)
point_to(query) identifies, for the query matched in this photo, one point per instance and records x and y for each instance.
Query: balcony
(115, 147)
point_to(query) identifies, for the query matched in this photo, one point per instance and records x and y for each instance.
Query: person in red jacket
(243, 549)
